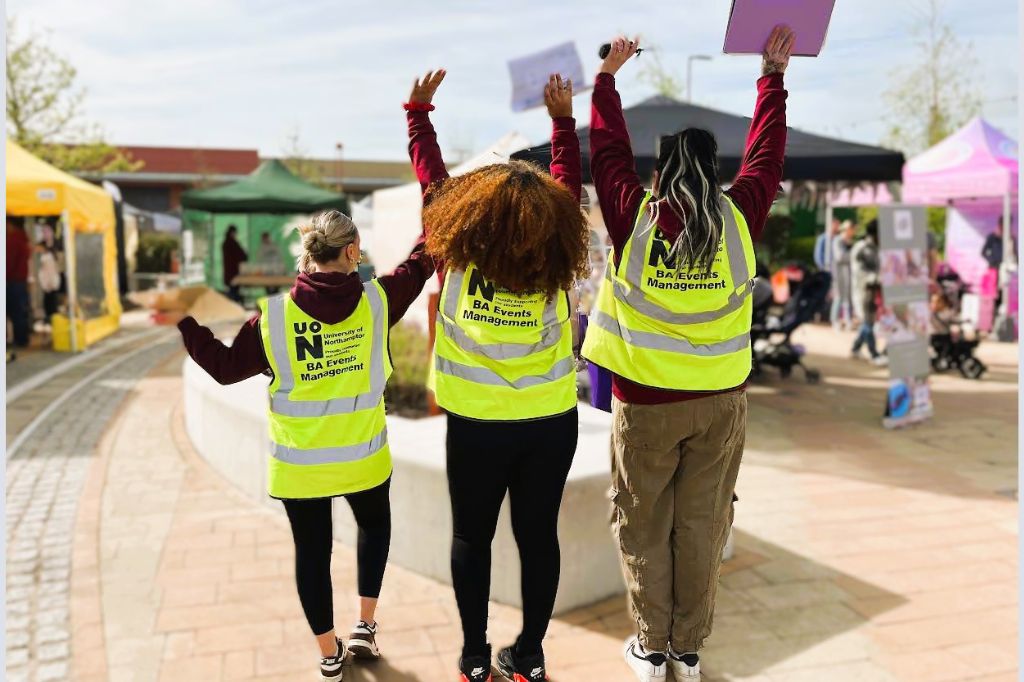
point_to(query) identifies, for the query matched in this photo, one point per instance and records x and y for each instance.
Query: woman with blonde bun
(325, 346)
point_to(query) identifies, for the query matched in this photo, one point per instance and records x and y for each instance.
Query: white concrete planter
(227, 425)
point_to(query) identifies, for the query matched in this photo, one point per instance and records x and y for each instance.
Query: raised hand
(777, 50)
(423, 89)
(558, 96)
(622, 50)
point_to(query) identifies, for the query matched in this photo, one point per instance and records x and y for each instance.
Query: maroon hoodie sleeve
(244, 358)
(757, 183)
(424, 150)
(404, 285)
(566, 164)
(619, 190)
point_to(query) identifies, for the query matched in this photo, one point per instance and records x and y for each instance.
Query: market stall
(272, 200)
(87, 224)
(974, 173)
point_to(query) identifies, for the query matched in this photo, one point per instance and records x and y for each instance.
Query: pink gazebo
(974, 172)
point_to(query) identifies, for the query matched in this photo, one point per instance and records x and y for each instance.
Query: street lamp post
(689, 72)
(339, 147)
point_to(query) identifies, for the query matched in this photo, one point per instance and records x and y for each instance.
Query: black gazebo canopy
(808, 156)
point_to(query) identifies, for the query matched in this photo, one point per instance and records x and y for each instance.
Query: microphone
(606, 49)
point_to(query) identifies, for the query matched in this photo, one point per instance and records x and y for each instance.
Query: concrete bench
(228, 428)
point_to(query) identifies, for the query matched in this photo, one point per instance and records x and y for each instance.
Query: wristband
(418, 106)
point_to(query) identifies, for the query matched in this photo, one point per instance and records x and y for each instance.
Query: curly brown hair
(520, 227)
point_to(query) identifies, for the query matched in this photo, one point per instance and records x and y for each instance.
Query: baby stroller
(953, 342)
(770, 335)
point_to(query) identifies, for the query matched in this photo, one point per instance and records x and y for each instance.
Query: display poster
(905, 315)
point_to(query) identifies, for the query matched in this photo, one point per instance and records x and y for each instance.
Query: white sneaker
(681, 671)
(880, 361)
(331, 666)
(363, 641)
(648, 666)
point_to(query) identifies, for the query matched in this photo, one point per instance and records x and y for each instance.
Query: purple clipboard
(752, 21)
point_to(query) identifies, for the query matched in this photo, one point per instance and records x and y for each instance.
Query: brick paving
(861, 554)
(44, 481)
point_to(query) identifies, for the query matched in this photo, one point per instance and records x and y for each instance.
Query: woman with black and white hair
(672, 322)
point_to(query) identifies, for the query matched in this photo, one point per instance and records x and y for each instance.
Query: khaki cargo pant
(674, 470)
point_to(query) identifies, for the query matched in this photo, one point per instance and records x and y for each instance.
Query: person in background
(672, 322)
(327, 428)
(19, 251)
(821, 260)
(49, 279)
(842, 304)
(992, 249)
(232, 257)
(866, 288)
(270, 256)
(510, 241)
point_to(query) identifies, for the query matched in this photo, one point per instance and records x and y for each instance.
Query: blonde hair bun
(324, 238)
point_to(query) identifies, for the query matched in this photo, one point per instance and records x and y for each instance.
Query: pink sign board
(752, 21)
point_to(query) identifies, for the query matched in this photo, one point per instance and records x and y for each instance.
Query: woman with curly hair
(510, 241)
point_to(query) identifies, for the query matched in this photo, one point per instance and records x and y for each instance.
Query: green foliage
(775, 240)
(43, 106)
(657, 76)
(930, 99)
(155, 251)
(406, 392)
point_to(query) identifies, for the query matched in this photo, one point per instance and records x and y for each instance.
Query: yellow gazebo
(35, 188)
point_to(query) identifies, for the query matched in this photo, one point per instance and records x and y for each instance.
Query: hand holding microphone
(617, 53)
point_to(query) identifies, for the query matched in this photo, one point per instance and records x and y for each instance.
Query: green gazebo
(270, 200)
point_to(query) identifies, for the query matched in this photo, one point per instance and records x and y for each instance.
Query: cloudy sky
(247, 73)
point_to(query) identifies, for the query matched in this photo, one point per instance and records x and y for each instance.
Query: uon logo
(46, 194)
(308, 347)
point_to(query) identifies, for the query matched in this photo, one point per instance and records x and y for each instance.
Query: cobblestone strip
(44, 482)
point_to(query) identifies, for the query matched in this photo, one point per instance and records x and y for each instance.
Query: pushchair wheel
(940, 364)
(972, 368)
(813, 376)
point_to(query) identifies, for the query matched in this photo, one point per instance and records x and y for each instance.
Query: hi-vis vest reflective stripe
(501, 356)
(678, 331)
(328, 434)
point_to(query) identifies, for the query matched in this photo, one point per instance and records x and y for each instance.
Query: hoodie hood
(329, 297)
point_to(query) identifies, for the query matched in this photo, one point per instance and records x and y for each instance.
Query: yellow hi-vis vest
(676, 330)
(501, 356)
(328, 434)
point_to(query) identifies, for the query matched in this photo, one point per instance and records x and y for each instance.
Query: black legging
(530, 460)
(314, 538)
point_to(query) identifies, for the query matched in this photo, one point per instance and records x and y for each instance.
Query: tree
(44, 106)
(930, 99)
(295, 157)
(657, 76)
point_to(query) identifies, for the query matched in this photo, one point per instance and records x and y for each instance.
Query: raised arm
(619, 189)
(423, 148)
(244, 358)
(758, 180)
(405, 283)
(566, 164)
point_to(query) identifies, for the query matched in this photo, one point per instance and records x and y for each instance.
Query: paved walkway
(46, 469)
(862, 554)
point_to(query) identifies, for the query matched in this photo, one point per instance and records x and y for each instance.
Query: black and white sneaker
(363, 642)
(331, 666)
(685, 667)
(476, 668)
(521, 668)
(648, 666)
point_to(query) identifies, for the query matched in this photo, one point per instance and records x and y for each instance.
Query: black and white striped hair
(688, 183)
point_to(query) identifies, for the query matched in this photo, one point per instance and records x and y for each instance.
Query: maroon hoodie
(620, 191)
(326, 296)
